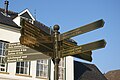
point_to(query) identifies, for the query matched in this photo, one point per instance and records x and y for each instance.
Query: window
(62, 69)
(3, 51)
(42, 68)
(23, 68)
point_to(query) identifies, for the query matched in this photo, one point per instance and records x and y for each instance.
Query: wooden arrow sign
(66, 44)
(82, 29)
(17, 52)
(83, 48)
(35, 38)
(85, 56)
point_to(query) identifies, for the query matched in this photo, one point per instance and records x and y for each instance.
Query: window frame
(44, 72)
(23, 67)
(3, 47)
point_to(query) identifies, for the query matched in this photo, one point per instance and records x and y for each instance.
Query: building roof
(113, 75)
(85, 71)
(42, 27)
(7, 20)
(11, 13)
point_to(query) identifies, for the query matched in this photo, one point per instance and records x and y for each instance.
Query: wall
(69, 68)
(9, 34)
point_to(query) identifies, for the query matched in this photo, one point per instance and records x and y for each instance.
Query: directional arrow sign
(82, 29)
(28, 57)
(18, 52)
(85, 56)
(83, 48)
(18, 49)
(66, 44)
(35, 44)
(35, 38)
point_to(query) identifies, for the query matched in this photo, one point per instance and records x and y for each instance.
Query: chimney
(6, 7)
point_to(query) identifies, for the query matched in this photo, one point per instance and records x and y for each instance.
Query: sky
(70, 14)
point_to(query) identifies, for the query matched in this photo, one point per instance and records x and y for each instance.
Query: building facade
(42, 69)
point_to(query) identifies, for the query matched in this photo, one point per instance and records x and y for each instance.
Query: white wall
(69, 68)
(9, 34)
(33, 69)
(17, 20)
(52, 70)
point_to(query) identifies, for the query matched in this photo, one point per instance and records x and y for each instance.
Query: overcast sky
(70, 14)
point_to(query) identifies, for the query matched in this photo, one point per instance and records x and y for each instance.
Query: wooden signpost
(56, 45)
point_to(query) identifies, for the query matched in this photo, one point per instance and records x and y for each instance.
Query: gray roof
(8, 20)
(42, 27)
(113, 75)
(85, 71)
(11, 13)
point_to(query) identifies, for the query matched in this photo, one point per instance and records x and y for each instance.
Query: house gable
(26, 13)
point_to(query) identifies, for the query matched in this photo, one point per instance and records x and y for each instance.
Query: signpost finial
(56, 27)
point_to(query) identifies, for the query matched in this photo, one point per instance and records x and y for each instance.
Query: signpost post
(56, 45)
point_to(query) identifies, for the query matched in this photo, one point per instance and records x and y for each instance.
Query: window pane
(45, 71)
(2, 69)
(37, 73)
(18, 64)
(22, 64)
(42, 68)
(26, 64)
(2, 56)
(25, 71)
(0, 52)
(17, 69)
(41, 61)
(0, 45)
(4, 46)
(3, 53)
(45, 61)
(22, 70)
(2, 65)
(2, 60)
(41, 73)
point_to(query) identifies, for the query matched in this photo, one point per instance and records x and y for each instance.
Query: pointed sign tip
(102, 22)
(104, 42)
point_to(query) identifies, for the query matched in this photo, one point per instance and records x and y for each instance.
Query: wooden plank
(35, 38)
(29, 57)
(70, 44)
(82, 29)
(17, 52)
(85, 56)
(31, 30)
(16, 49)
(83, 48)
(34, 44)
